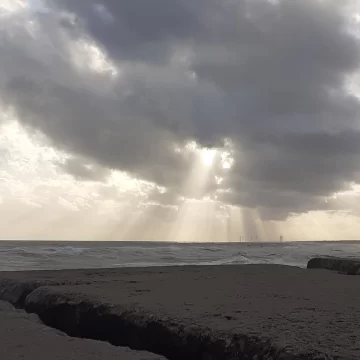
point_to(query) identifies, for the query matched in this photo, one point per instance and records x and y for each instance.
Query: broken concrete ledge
(341, 265)
(24, 336)
(16, 292)
(85, 318)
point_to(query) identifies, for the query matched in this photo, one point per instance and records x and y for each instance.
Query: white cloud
(9, 7)
(87, 55)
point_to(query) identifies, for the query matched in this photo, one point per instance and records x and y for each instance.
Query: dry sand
(23, 336)
(301, 309)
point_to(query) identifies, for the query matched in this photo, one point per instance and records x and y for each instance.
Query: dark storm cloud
(83, 171)
(268, 75)
(137, 30)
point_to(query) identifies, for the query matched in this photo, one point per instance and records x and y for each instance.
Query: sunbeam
(208, 156)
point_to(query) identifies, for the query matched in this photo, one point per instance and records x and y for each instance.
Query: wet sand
(277, 310)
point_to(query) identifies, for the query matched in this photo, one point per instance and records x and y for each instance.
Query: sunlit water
(71, 255)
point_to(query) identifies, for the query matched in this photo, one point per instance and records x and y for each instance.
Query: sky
(181, 120)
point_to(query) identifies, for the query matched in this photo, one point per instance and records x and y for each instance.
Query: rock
(344, 266)
(15, 292)
(5, 306)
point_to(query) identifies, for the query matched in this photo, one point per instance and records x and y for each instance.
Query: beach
(193, 312)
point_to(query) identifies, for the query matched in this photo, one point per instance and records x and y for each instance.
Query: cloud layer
(123, 84)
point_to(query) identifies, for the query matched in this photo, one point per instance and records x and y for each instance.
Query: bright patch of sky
(30, 173)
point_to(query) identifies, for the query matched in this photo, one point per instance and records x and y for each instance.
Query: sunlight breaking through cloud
(239, 117)
(208, 156)
(116, 208)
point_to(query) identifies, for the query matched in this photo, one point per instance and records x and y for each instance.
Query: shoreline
(199, 312)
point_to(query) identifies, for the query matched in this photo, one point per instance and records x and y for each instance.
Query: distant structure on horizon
(281, 238)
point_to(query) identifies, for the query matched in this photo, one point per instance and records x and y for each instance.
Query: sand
(23, 336)
(308, 312)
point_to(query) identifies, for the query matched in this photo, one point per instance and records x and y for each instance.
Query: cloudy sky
(185, 120)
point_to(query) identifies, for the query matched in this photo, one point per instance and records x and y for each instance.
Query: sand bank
(346, 266)
(223, 312)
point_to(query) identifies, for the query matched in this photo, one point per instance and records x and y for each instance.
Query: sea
(47, 255)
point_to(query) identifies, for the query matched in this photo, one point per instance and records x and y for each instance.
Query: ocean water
(33, 255)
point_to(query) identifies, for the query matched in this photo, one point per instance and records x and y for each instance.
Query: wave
(238, 259)
(65, 250)
(96, 255)
(34, 250)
